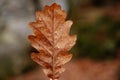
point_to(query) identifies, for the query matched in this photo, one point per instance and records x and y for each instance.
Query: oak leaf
(52, 40)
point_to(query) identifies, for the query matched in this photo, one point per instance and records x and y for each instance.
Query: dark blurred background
(96, 23)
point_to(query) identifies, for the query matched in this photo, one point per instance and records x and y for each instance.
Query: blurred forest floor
(83, 69)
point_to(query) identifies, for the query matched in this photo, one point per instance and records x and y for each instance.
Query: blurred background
(96, 53)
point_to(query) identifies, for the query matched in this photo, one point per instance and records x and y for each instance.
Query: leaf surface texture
(52, 40)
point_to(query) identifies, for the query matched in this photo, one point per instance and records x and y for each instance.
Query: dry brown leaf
(51, 38)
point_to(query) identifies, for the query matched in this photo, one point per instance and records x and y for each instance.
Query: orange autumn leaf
(52, 40)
